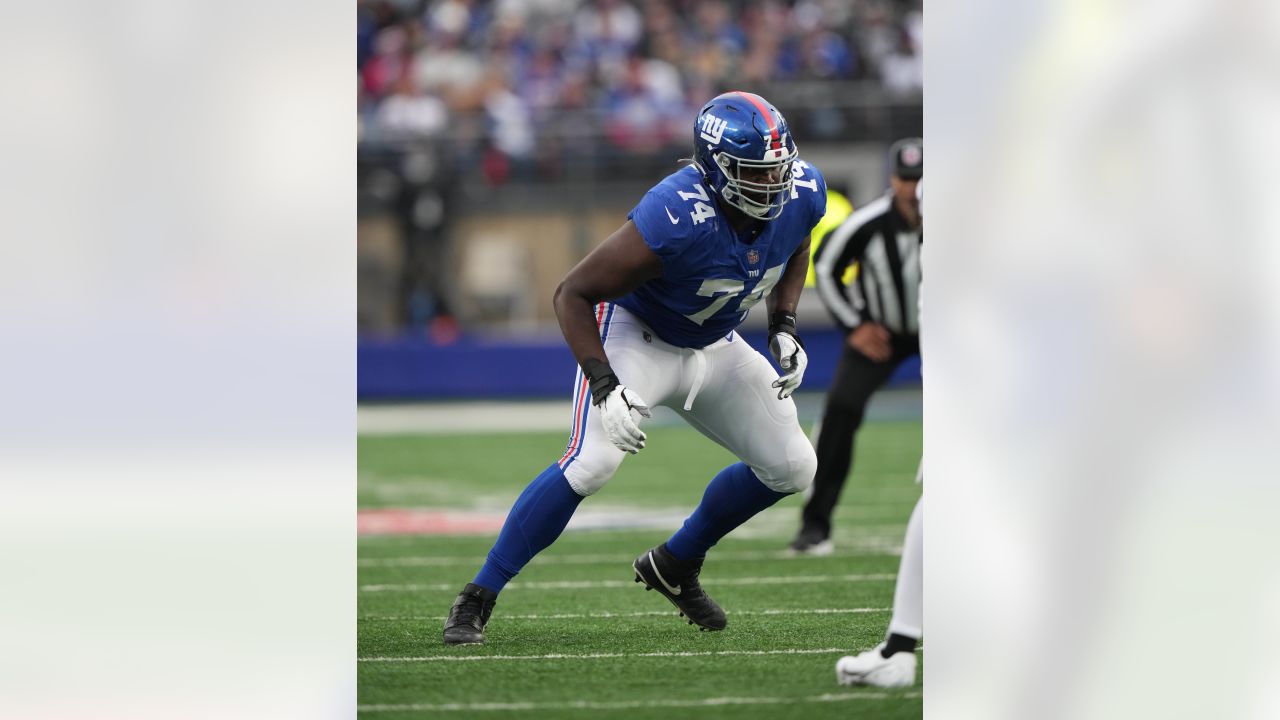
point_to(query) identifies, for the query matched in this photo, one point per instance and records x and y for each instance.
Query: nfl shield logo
(753, 256)
(911, 156)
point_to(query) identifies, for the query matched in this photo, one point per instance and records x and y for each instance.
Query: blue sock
(733, 496)
(539, 515)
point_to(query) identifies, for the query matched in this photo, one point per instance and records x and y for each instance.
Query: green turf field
(620, 651)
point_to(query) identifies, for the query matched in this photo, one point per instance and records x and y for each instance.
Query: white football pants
(723, 390)
(908, 595)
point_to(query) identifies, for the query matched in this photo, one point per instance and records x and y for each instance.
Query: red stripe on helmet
(768, 116)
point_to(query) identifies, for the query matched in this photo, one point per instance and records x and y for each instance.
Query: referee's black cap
(907, 156)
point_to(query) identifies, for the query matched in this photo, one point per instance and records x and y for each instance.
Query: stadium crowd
(512, 75)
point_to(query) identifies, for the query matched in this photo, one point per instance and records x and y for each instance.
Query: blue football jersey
(711, 277)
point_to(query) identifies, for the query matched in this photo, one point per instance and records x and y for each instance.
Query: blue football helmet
(744, 149)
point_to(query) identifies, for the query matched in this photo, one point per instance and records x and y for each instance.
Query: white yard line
(446, 489)
(637, 704)
(583, 584)
(878, 546)
(454, 417)
(490, 416)
(646, 613)
(762, 527)
(604, 656)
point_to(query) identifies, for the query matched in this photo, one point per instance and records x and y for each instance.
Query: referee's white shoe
(872, 668)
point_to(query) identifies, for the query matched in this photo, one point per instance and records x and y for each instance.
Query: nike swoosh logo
(665, 584)
(674, 219)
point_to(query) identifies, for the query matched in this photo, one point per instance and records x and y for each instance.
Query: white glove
(620, 414)
(791, 358)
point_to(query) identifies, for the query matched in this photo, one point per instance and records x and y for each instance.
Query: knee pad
(795, 472)
(591, 470)
(804, 465)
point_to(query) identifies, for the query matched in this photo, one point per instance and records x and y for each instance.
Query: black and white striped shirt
(887, 286)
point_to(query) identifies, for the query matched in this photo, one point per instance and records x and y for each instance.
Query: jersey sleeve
(818, 208)
(653, 217)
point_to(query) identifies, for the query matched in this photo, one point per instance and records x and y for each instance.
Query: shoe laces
(469, 608)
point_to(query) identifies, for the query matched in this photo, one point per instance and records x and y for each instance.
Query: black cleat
(677, 580)
(468, 616)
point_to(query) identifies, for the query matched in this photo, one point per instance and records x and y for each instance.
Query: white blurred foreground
(1102, 382)
(1101, 364)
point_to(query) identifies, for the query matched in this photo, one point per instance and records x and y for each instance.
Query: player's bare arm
(619, 265)
(784, 341)
(786, 294)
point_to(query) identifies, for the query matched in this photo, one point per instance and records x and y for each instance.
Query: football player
(892, 663)
(650, 316)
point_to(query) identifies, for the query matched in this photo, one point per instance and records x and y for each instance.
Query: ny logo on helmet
(713, 128)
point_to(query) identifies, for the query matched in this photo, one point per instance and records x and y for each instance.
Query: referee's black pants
(857, 378)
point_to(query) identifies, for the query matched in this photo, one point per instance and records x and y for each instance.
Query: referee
(878, 312)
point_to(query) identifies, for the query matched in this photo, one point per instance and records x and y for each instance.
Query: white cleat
(822, 549)
(870, 668)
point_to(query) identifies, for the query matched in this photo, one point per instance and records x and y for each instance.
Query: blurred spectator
(716, 27)
(445, 67)
(644, 113)
(391, 59)
(516, 77)
(609, 23)
(902, 71)
(510, 125)
(408, 114)
(576, 91)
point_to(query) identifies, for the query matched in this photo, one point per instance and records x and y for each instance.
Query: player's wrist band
(783, 322)
(601, 379)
